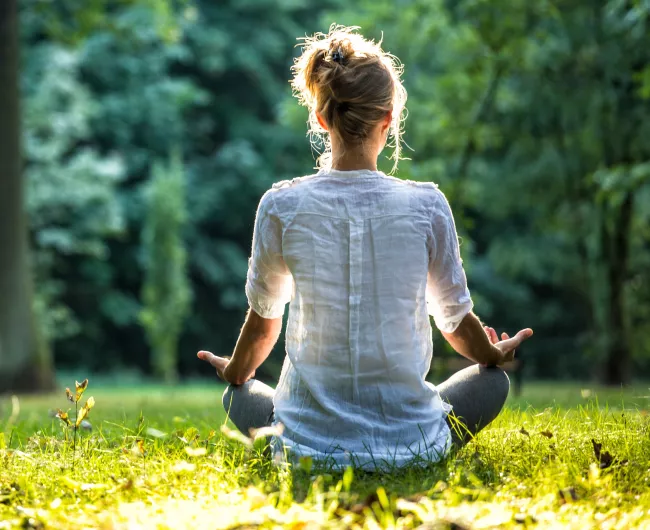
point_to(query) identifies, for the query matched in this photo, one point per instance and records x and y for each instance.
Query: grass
(156, 459)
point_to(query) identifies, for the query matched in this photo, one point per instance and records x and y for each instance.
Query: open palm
(507, 345)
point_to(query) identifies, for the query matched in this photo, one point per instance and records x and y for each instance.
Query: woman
(363, 259)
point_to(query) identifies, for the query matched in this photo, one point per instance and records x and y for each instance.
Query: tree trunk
(618, 357)
(25, 362)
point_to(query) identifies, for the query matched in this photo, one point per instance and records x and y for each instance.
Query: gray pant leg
(477, 395)
(249, 406)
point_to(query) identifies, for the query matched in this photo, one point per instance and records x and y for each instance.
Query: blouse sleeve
(448, 298)
(269, 281)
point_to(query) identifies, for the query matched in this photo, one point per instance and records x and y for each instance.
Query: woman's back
(359, 247)
(364, 260)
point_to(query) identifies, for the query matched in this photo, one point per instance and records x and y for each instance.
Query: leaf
(183, 467)
(155, 432)
(260, 444)
(567, 495)
(306, 463)
(236, 436)
(267, 432)
(138, 448)
(257, 499)
(524, 431)
(63, 416)
(70, 484)
(83, 412)
(525, 519)
(91, 487)
(194, 452)
(190, 435)
(605, 458)
(80, 388)
(383, 498)
(348, 476)
(547, 434)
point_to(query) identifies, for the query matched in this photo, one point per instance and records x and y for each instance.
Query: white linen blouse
(363, 259)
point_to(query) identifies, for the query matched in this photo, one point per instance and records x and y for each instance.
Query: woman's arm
(268, 289)
(256, 340)
(481, 345)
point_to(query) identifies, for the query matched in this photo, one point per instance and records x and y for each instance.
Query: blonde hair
(352, 83)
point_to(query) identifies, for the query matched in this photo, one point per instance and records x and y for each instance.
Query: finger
(504, 336)
(524, 334)
(209, 357)
(493, 336)
(509, 344)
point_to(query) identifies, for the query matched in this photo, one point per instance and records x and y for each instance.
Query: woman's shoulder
(284, 195)
(430, 187)
(429, 192)
(291, 183)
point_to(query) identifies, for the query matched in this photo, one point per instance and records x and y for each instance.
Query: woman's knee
(232, 394)
(499, 381)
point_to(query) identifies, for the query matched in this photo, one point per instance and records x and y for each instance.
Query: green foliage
(166, 293)
(531, 117)
(71, 21)
(161, 461)
(71, 185)
(215, 92)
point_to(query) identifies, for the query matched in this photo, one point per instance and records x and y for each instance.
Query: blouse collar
(351, 173)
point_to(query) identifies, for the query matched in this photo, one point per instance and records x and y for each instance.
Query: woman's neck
(353, 160)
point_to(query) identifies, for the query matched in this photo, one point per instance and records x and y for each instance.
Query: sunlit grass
(191, 476)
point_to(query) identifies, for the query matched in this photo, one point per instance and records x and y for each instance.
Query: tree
(71, 189)
(166, 292)
(25, 362)
(25, 358)
(216, 92)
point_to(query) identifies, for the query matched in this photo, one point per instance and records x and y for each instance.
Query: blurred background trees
(166, 293)
(532, 117)
(25, 361)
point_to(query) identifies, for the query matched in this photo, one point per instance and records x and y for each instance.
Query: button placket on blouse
(356, 260)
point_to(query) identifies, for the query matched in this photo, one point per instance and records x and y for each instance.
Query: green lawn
(534, 467)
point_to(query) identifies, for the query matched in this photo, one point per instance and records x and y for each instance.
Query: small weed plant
(79, 420)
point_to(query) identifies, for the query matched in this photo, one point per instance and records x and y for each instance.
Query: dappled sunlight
(547, 466)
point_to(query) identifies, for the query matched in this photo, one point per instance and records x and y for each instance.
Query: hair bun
(349, 83)
(338, 56)
(340, 51)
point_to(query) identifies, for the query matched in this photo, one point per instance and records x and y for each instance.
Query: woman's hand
(219, 363)
(507, 345)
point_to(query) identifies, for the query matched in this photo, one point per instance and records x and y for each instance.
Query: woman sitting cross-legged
(363, 259)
